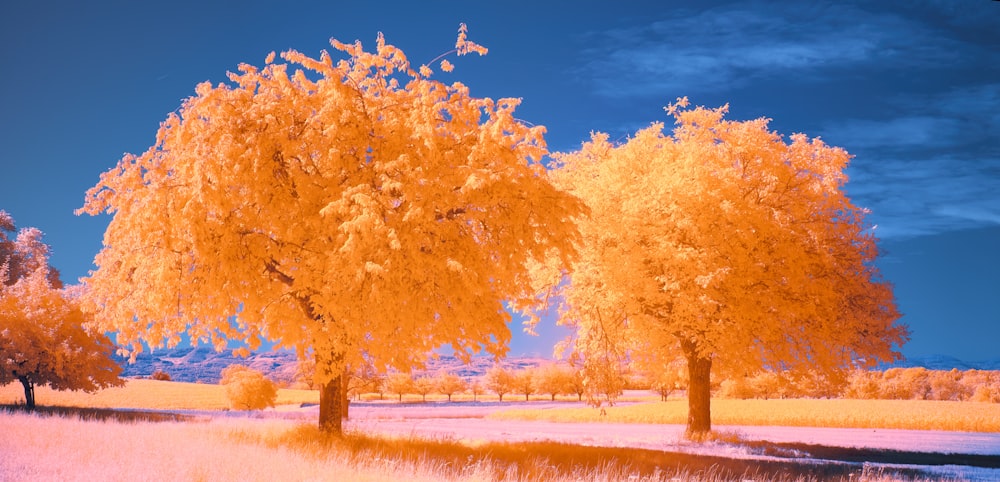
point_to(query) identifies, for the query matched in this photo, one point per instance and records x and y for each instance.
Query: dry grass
(54, 448)
(70, 449)
(147, 394)
(894, 414)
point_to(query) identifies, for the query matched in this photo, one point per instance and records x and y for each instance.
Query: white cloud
(734, 44)
(934, 167)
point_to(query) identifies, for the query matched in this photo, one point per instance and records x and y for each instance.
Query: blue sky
(912, 89)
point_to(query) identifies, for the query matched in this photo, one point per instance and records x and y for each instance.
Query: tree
(524, 382)
(43, 337)
(665, 381)
(364, 379)
(399, 383)
(344, 208)
(577, 383)
(423, 386)
(248, 389)
(477, 389)
(499, 380)
(554, 379)
(448, 384)
(726, 245)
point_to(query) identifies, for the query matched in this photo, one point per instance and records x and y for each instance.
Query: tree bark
(331, 406)
(345, 399)
(29, 392)
(699, 389)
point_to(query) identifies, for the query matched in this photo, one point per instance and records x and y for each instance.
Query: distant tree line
(916, 383)
(598, 387)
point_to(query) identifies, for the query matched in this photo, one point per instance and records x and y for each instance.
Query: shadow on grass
(102, 414)
(876, 456)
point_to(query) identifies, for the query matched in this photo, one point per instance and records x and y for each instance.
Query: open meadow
(483, 440)
(834, 413)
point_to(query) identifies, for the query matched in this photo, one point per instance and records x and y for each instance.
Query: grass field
(895, 414)
(147, 394)
(68, 448)
(77, 445)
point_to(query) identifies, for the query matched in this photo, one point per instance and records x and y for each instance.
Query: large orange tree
(725, 245)
(355, 210)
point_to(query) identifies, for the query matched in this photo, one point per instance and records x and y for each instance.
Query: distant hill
(945, 362)
(204, 364)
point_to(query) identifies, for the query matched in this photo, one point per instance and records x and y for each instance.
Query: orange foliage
(724, 244)
(43, 340)
(352, 209)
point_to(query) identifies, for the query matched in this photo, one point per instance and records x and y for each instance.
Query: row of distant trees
(560, 379)
(549, 380)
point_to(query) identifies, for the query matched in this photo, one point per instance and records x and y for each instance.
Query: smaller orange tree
(499, 380)
(449, 384)
(726, 245)
(43, 337)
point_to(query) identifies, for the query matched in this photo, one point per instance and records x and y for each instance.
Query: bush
(248, 389)
(160, 375)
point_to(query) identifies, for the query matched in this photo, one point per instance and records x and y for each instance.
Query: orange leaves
(465, 46)
(43, 340)
(725, 235)
(354, 208)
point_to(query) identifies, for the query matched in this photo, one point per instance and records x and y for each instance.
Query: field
(147, 394)
(837, 413)
(437, 440)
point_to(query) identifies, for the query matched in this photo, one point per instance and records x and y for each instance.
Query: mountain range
(203, 364)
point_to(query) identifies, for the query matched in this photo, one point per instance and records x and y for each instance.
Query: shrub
(160, 375)
(248, 389)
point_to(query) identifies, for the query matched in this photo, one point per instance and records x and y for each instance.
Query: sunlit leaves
(350, 208)
(725, 236)
(43, 337)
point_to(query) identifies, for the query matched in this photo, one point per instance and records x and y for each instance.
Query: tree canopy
(355, 210)
(724, 244)
(43, 337)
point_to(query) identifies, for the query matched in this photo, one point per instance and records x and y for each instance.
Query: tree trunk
(332, 394)
(331, 406)
(345, 399)
(29, 392)
(699, 389)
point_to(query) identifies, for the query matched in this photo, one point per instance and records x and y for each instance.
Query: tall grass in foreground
(70, 449)
(148, 394)
(836, 413)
